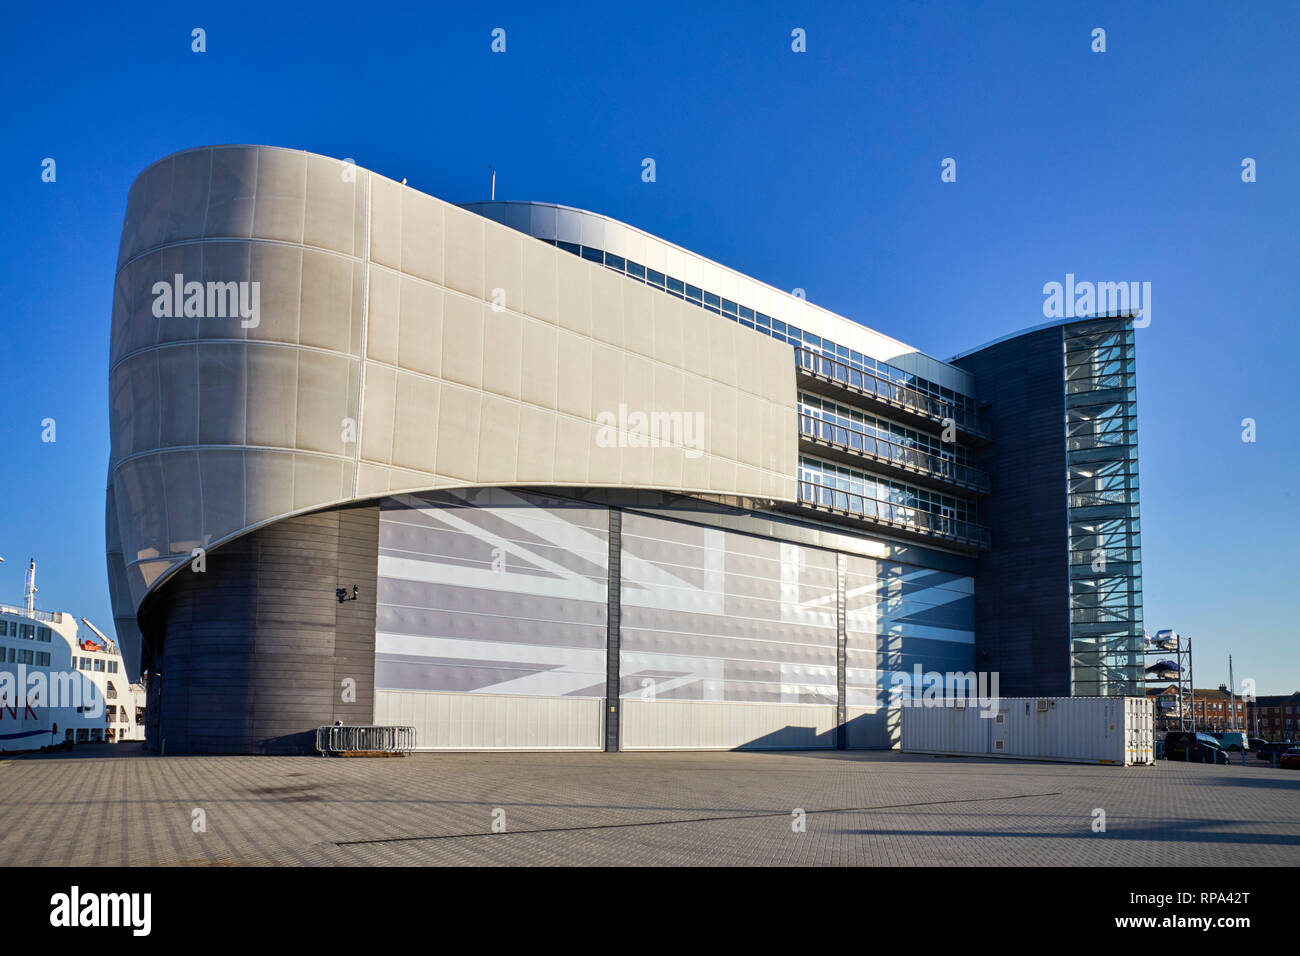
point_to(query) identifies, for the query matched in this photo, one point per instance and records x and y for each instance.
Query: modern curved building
(525, 477)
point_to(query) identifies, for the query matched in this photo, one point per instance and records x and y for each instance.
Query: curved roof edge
(902, 352)
(1055, 323)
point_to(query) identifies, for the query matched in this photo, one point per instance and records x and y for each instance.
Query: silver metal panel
(490, 591)
(722, 725)
(568, 225)
(713, 615)
(493, 721)
(872, 728)
(899, 617)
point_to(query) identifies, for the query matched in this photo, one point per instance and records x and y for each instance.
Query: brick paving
(118, 806)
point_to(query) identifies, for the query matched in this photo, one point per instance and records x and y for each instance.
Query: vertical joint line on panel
(841, 658)
(365, 328)
(1069, 585)
(612, 625)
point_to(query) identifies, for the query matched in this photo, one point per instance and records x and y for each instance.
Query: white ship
(60, 687)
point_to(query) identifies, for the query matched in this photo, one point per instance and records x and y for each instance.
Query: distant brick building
(1210, 709)
(1276, 717)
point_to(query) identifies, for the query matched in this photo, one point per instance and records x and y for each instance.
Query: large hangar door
(901, 623)
(490, 627)
(727, 640)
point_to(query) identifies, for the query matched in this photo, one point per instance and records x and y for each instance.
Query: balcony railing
(892, 453)
(1089, 442)
(894, 515)
(879, 387)
(1097, 499)
(51, 617)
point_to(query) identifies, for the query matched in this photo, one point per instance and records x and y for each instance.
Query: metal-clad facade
(493, 721)
(493, 630)
(721, 725)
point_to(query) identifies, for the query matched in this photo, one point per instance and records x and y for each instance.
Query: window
(28, 632)
(675, 287)
(43, 659)
(593, 255)
(694, 294)
(43, 634)
(635, 269)
(654, 278)
(26, 657)
(112, 667)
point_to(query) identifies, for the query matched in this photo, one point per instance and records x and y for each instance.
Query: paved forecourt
(117, 806)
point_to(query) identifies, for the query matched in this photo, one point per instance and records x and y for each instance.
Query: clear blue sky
(818, 170)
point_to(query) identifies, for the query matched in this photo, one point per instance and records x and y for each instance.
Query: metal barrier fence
(360, 739)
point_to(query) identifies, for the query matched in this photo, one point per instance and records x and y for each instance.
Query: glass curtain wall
(1105, 546)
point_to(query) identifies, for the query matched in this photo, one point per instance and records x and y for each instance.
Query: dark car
(1231, 740)
(1195, 748)
(1267, 750)
(1290, 759)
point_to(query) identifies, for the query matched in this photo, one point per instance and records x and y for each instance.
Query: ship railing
(51, 617)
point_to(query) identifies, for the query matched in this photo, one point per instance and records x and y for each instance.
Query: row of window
(783, 331)
(22, 655)
(26, 631)
(97, 664)
(856, 484)
(826, 410)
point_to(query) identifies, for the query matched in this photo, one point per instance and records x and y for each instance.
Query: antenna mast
(29, 588)
(1232, 694)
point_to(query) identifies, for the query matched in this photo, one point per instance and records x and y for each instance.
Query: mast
(1232, 690)
(29, 588)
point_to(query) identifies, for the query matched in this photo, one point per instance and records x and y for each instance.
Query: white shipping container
(1106, 730)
